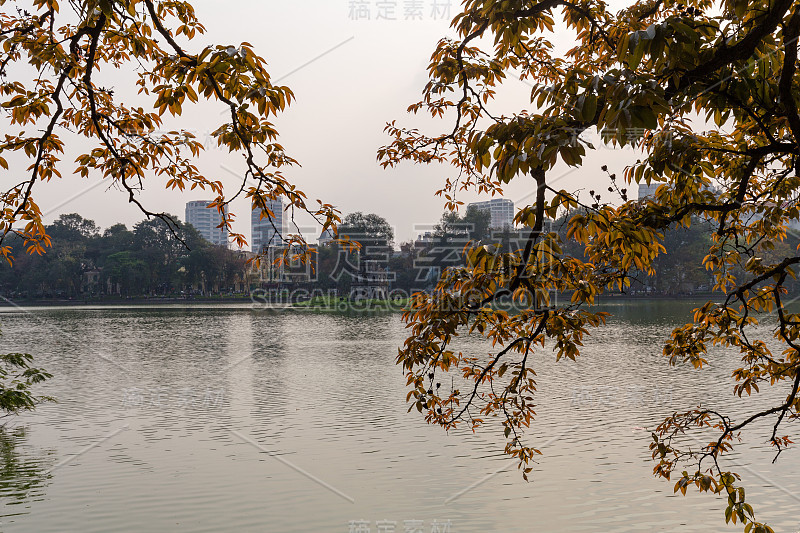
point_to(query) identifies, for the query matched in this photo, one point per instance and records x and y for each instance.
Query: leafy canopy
(53, 55)
(640, 76)
(370, 227)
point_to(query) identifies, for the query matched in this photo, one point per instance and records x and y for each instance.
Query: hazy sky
(368, 73)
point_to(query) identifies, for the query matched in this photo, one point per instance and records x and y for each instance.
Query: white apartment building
(263, 229)
(205, 220)
(502, 212)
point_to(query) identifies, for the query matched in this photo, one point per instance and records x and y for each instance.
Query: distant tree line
(150, 259)
(678, 271)
(417, 264)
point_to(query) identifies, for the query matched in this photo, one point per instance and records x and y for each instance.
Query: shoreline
(122, 301)
(606, 298)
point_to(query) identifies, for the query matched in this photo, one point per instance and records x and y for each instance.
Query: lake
(230, 418)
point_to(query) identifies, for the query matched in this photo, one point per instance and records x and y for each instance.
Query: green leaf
(648, 118)
(636, 57)
(589, 109)
(105, 7)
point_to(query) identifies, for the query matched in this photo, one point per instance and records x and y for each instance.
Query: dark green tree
(479, 223)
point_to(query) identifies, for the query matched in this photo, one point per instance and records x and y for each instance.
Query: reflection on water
(230, 419)
(24, 474)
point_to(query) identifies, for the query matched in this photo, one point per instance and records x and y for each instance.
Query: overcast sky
(350, 77)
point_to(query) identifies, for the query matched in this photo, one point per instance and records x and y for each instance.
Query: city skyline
(263, 231)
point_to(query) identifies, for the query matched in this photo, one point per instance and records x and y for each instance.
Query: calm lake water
(234, 419)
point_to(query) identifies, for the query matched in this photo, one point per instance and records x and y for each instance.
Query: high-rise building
(205, 220)
(264, 230)
(502, 212)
